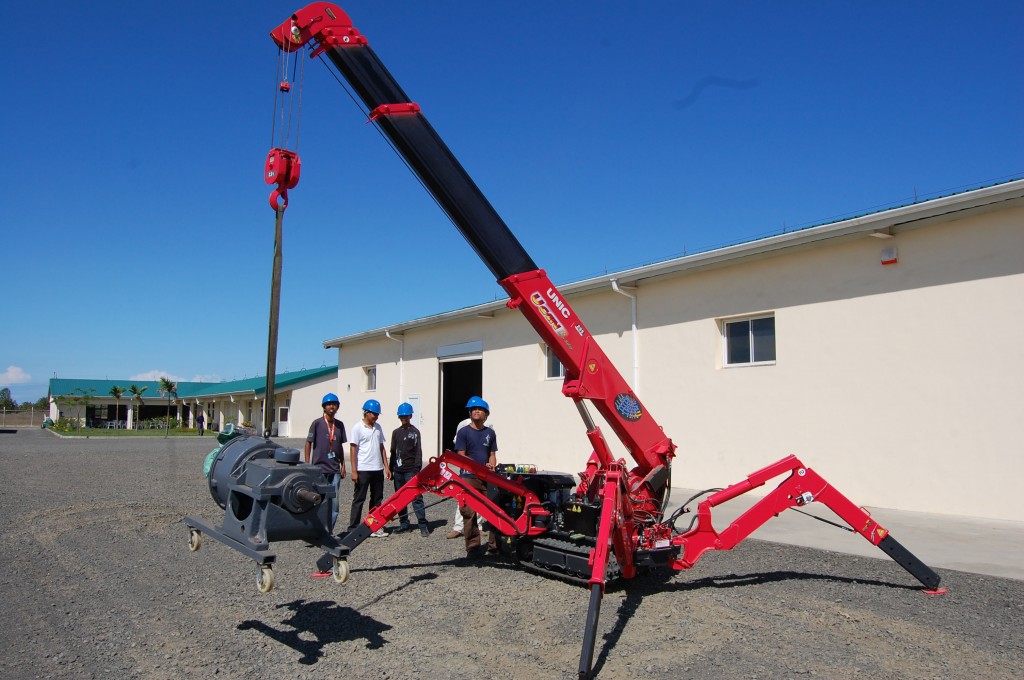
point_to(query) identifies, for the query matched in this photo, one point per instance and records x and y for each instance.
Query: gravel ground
(96, 581)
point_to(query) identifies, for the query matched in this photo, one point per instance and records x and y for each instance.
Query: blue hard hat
(330, 397)
(477, 402)
(372, 405)
(404, 409)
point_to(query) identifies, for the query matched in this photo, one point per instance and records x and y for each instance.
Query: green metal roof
(189, 390)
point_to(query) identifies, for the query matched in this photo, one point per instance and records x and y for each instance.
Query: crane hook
(282, 168)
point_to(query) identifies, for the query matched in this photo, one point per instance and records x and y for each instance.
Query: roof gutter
(401, 363)
(878, 225)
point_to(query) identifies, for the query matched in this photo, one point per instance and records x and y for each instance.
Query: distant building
(885, 351)
(297, 397)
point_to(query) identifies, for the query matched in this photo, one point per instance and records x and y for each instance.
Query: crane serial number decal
(545, 311)
(628, 407)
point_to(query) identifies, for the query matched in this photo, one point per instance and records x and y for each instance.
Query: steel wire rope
(284, 109)
(277, 91)
(292, 106)
(822, 519)
(282, 142)
(298, 117)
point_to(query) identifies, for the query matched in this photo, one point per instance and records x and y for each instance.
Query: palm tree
(136, 393)
(170, 388)
(117, 392)
(82, 399)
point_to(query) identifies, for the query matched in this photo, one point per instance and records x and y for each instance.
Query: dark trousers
(401, 478)
(372, 481)
(334, 479)
(470, 532)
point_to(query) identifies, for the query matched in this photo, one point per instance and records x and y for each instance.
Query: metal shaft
(275, 308)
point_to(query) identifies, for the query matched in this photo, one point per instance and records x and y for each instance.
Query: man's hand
(342, 472)
(387, 473)
(355, 477)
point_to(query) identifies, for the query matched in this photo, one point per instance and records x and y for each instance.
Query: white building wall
(898, 383)
(306, 405)
(894, 382)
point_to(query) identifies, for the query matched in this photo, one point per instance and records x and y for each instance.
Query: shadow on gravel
(659, 582)
(760, 578)
(469, 562)
(388, 593)
(325, 621)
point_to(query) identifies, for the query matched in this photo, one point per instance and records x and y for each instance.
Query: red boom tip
(323, 22)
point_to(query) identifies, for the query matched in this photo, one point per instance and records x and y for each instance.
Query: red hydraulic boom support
(631, 526)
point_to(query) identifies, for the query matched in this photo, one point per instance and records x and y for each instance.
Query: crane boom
(613, 523)
(590, 375)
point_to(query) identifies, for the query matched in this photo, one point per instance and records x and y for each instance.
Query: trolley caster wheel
(265, 579)
(195, 540)
(340, 570)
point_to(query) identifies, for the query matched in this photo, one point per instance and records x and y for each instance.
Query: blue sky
(138, 238)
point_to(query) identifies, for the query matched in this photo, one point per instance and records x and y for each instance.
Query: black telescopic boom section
(432, 160)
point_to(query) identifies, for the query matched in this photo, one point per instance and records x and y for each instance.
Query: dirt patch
(96, 581)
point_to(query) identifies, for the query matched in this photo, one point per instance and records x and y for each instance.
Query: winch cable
(826, 521)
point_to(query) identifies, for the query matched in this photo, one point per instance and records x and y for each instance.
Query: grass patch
(103, 432)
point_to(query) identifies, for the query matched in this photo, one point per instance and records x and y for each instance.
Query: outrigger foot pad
(914, 566)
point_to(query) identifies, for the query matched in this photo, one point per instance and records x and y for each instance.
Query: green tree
(84, 399)
(6, 401)
(65, 401)
(136, 393)
(117, 392)
(169, 388)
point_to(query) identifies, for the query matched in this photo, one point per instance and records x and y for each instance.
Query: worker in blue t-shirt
(325, 442)
(479, 443)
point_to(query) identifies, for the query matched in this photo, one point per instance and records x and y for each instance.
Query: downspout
(621, 290)
(401, 364)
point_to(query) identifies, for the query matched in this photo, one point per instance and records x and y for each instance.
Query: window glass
(763, 332)
(750, 341)
(737, 338)
(554, 369)
(371, 377)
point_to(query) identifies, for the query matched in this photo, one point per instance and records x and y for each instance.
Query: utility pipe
(621, 290)
(401, 365)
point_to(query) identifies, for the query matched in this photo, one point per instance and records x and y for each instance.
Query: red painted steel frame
(630, 500)
(631, 512)
(322, 22)
(802, 487)
(589, 373)
(441, 477)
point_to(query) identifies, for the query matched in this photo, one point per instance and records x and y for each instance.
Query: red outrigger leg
(441, 478)
(802, 487)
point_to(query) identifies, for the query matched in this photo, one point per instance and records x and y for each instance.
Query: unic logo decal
(628, 407)
(545, 311)
(562, 308)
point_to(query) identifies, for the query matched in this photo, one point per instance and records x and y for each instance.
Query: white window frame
(724, 325)
(370, 378)
(550, 356)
